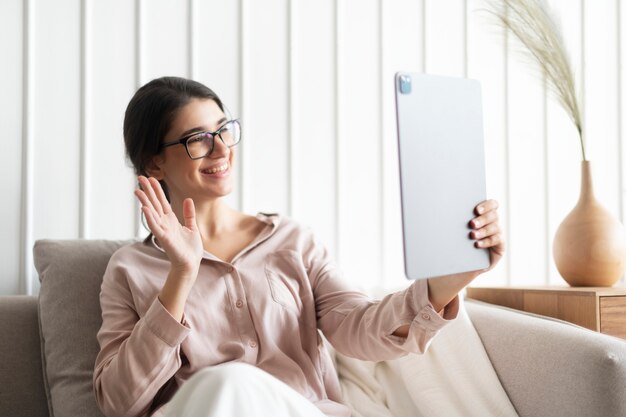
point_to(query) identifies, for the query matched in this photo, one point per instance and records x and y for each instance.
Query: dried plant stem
(532, 24)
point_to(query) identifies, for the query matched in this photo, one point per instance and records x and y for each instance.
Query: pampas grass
(531, 23)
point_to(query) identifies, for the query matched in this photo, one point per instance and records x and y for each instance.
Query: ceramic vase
(590, 244)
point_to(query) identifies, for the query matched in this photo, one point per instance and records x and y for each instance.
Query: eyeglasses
(201, 144)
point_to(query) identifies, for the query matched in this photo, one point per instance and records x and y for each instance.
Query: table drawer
(613, 316)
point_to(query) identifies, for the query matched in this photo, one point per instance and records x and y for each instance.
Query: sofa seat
(545, 367)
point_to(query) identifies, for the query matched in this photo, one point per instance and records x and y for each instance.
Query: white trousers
(238, 390)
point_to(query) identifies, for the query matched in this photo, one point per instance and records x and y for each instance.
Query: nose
(219, 148)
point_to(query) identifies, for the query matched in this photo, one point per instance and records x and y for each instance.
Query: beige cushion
(550, 368)
(71, 273)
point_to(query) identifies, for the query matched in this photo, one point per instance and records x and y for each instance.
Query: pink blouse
(266, 308)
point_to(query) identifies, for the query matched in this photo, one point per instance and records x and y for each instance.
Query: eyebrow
(202, 129)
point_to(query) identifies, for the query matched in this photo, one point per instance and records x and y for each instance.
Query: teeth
(218, 169)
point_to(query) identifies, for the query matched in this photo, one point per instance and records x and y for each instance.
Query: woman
(235, 300)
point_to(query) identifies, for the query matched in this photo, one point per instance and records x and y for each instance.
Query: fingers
(160, 195)
(485, 219)
(486, 206)
(489, 230)
(145, 201)
(189, 213)
(150, 205)
(487, 236)
(490, 214)
(490, 241)
(147, 188)
(153, 224)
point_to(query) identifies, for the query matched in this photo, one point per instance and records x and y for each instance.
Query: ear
(154, 167)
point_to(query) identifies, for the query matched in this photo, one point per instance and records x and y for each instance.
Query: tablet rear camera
(405, 84)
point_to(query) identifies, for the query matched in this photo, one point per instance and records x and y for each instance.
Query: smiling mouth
(215, 170)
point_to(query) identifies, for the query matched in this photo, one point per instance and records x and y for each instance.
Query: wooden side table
(596, 308)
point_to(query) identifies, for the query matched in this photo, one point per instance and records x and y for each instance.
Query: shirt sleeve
(138, 355)
(363, 328)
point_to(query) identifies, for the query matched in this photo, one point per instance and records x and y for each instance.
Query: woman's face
(187, 178)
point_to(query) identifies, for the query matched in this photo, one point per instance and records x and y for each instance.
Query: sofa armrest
(22, 390)
(552, 368)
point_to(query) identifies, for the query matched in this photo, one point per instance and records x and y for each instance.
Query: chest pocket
(284, 273)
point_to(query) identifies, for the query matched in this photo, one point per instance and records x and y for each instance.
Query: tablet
(442, 173)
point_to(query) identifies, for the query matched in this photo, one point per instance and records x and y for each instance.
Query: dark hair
(150, 113)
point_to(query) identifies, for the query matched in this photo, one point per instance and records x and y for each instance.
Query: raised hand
(182, 243)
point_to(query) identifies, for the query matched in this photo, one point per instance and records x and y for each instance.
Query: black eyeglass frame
(217, 133)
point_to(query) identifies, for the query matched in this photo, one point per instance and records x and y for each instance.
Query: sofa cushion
(21, 381)
(552, 368)
(71, 273)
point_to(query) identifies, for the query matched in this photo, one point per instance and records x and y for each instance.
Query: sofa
(48, 346)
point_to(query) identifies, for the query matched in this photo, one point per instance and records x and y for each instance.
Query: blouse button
(426, 316)
(252, 344)
(239, 303)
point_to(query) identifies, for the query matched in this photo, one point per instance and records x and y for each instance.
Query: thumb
(189, 214)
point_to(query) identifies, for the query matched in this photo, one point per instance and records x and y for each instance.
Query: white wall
(312, 83)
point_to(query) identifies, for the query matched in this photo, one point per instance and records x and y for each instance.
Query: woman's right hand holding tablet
(182, 243)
